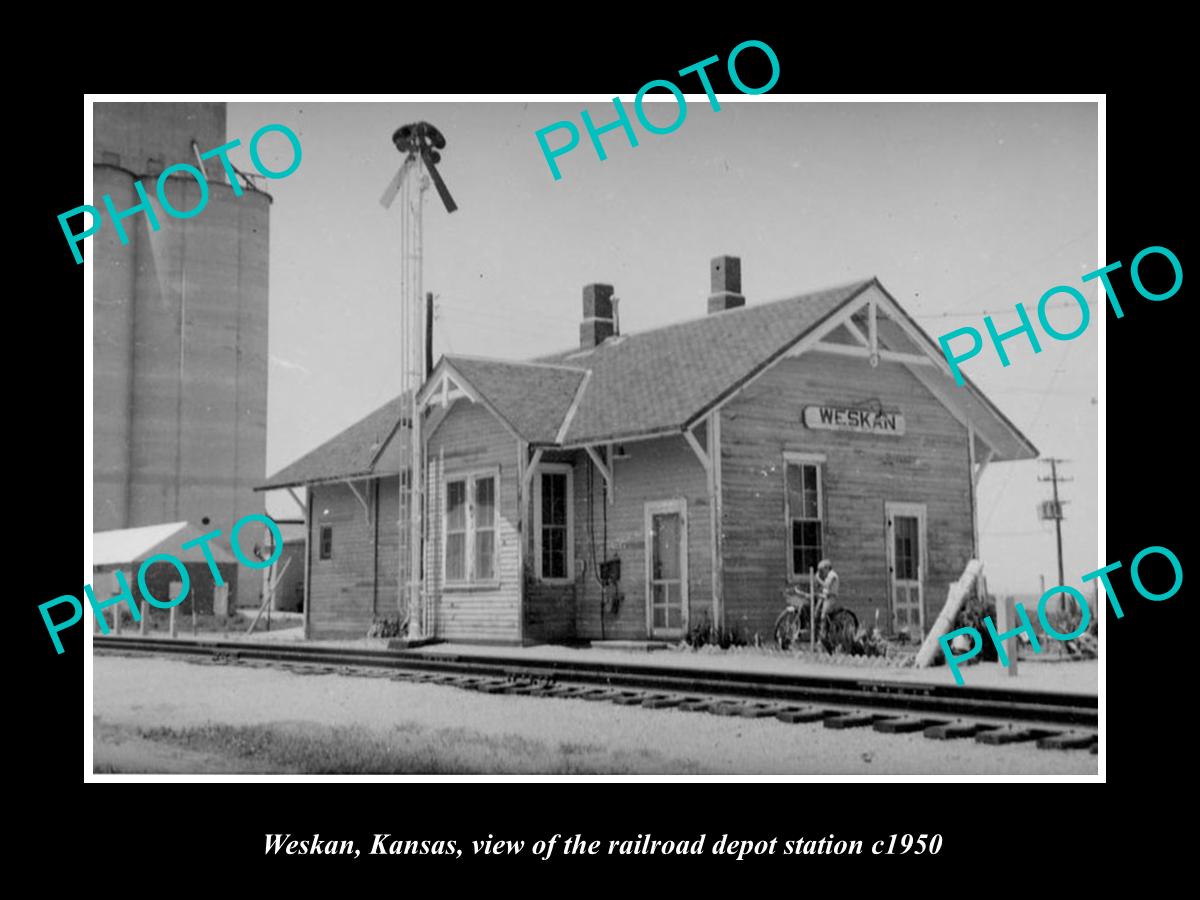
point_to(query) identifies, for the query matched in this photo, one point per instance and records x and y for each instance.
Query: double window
(471, 528)
(805, 512)
(553, 522)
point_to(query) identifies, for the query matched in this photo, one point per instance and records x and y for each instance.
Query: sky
(960, 209)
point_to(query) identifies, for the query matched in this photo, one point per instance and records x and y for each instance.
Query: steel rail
(1041, 707)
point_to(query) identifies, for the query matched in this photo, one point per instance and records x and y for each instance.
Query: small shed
(126, 549)
(288, 570)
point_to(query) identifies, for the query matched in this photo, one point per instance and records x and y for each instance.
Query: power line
(1037, 413)
(996, 312)
(1029, 263)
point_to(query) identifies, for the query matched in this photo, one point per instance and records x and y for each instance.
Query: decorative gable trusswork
(666, 380)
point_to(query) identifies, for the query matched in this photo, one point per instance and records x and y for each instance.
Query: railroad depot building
(639, 485)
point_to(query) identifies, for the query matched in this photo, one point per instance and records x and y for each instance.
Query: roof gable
(350, 453)
(651, 382)
(531, 398)
(662, 379)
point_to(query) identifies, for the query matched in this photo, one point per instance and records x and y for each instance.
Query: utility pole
(1053, 510)
(428, 334)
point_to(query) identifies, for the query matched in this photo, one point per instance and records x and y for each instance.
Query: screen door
(666, 558)
(906, 551)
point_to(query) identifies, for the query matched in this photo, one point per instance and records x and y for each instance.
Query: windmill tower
(420, 143)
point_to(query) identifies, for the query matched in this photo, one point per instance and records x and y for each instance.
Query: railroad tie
(424, 676)
(632, 698)
(727, 707)
(564, 690)
(956, 729)
(795, 714)
(1012, 734)
(496, 686)
(666, 701)
(453, 680)
(698, 704)
(855, 720)
(601, 694)
(761, 709)
(313, 670)
(906, 724)
(520, 687)
(1070, 740)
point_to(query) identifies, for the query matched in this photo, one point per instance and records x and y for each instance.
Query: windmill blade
(442, 190)
(393, 188)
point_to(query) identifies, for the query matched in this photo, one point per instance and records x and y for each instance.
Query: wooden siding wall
(387, 596)
(351, 588)
(470, 439)
(659, 469)
(927, 465)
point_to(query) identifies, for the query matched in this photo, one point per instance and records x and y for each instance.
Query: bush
(971, 615)
(386, 627)
(862, 642)
(705, 632)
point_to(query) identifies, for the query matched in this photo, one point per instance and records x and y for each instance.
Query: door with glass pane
(666, 568)
(906, 567)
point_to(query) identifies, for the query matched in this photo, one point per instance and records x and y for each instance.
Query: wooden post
(145, 616)
(1006, 614)
(715, 514)
(116, 618)
(955, 596)
(428, 334)
(269, 598)
(416, 472)
(308, 525)
(195, 628)
(812, 610)
(173, 621)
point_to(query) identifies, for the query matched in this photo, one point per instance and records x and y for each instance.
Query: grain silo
(180, 335)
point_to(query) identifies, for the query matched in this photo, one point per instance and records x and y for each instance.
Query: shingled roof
(353, 453)
(626, 387)
(532, 398)
(663, 379)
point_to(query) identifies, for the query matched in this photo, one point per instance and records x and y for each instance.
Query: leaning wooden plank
(954, 601)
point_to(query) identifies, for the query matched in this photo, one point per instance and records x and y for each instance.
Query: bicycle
(795, 619)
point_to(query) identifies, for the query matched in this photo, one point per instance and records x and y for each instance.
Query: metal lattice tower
(420, 143)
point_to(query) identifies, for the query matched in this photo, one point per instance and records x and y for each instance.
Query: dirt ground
(161, 715)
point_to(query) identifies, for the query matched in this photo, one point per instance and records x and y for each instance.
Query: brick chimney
(726, 284)
(598, 322)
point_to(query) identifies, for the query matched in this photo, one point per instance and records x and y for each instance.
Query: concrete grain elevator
(180, 336)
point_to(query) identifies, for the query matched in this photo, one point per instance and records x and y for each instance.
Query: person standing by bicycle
(827, 593)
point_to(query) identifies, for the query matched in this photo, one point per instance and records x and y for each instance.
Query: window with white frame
(805, 512)
(470, 527)
(553, 522)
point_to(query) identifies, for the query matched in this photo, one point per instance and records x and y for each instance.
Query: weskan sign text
(833, 418)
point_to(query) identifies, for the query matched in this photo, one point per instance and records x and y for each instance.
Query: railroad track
(987, 715)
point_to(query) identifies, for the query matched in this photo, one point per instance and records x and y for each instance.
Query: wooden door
(906, 567)
(666, 569)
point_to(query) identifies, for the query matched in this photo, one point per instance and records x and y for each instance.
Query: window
(326, 542)
(553, 523)
(806, 531)
(470, 526)
(485, 529)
